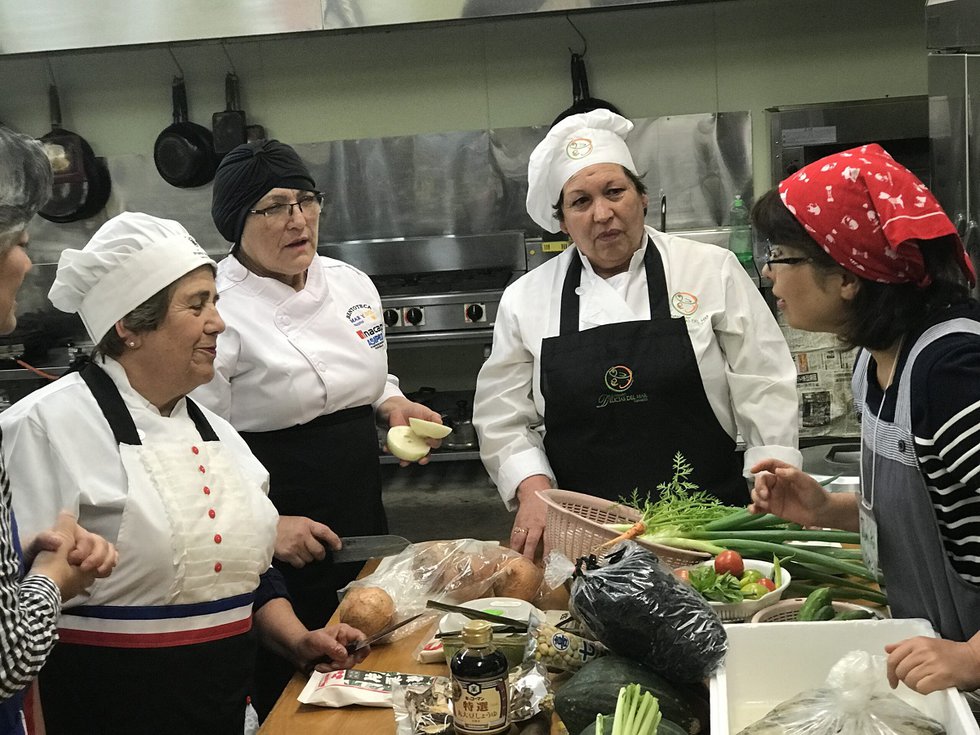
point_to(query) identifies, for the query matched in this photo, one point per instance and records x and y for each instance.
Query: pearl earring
(132, 344)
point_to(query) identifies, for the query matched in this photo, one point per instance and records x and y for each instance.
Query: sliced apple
(406, 444)
(429, 429)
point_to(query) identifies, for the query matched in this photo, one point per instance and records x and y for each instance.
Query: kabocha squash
(595, 687)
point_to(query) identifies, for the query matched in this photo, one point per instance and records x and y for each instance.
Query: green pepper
(754, 590)
(750, 576)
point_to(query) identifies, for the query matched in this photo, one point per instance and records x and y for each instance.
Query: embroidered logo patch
(367, 325)
(578, 148)
(684, 303)
(618, 380)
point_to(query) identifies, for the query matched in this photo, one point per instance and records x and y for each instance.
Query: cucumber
(854, 615)
(594, 688)
(824, 613)
(819, 598)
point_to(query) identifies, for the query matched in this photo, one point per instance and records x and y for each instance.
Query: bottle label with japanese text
(480, 705)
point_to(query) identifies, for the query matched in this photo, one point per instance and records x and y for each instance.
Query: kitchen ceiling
(57, 25)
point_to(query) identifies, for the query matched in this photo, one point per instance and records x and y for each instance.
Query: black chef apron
(622, 399)
(196, 688)
(327, 470)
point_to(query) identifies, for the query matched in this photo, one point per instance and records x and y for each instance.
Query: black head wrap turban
(246, 174)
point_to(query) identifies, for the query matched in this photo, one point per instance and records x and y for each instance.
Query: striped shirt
(945, 413)
(29, 609)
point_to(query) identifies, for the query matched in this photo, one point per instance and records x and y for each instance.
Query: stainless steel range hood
(57, 25)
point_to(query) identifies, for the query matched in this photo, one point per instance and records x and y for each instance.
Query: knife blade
(362, 548)
(358, 645)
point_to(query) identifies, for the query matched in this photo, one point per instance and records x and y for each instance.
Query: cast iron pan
(81, 180)
(582, 100)
(184, 151)
(229, 126)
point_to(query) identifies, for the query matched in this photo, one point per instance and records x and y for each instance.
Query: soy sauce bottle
(479, 674)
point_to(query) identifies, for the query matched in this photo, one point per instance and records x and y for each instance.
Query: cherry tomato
(731, 562)
(683, 575)
(767, 583)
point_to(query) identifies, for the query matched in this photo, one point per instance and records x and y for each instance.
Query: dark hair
(641, 189)
(146, 317)
(881, 312)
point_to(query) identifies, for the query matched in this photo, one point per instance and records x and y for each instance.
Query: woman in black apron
(863, 249)
(302, 374)
(625, 362)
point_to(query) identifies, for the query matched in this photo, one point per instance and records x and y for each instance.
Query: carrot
(637, 529)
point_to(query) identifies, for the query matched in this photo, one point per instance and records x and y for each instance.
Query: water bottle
(740, 238)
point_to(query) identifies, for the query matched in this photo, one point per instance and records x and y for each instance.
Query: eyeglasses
(772, 259)
(308, 205)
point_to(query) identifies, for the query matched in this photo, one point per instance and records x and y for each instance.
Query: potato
(406, 444)
(369, 609)
(429, 429)
(519, 578)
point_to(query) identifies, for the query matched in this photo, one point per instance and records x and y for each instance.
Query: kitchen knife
(358, 645)
(477, 614)
(362, 548)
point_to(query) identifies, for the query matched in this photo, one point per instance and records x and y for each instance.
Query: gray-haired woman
(61, 562)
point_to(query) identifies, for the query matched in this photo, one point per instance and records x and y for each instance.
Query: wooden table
(289, 717)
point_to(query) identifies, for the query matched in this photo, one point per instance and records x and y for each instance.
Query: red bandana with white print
(871, 214)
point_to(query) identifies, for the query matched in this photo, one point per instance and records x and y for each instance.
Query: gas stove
(442, 288)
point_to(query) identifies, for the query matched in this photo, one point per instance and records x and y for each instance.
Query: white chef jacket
(61, 455)
(746, 367)
(287, 357)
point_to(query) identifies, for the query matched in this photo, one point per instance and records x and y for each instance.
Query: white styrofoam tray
(767, 664)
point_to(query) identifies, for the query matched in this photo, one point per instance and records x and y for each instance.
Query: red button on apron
(217, 566)
(195, 450)
(211, 513)
(200, 467)
(217, 538)
(207, 490)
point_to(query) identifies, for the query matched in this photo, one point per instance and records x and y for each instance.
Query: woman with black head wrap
(302, 373)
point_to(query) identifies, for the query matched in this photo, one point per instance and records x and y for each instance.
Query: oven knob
(474, 312)
(413, 315)
(391, 317)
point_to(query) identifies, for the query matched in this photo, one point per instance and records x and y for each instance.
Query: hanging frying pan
(582, 100)
(81, 180)
(184, 151)
(229, 126)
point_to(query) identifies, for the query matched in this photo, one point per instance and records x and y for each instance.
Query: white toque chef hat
(129, 259)
(578, 141)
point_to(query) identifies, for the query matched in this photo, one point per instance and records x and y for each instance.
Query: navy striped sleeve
(945, 412)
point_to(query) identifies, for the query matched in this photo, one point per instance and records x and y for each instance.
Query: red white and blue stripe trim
(156, 626)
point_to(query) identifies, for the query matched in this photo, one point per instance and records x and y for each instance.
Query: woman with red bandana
(861, 248)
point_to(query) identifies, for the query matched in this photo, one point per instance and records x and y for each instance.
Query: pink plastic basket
(574, 526)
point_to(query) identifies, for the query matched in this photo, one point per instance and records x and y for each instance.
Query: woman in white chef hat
(165, 645)
(626, 349)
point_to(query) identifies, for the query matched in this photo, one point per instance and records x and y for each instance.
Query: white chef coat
(61, 454)
(746, 367)
(287, 357)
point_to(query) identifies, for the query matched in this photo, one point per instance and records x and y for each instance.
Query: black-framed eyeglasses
(771, 259)
(309, 204)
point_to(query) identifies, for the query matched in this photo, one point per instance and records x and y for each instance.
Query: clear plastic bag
(639, 610)
(855, 700)
(558, 649)
(448, 571)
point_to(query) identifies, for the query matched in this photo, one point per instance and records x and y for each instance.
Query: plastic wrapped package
(639, 610)
(557, 648)
(447, 571)
(855, 700)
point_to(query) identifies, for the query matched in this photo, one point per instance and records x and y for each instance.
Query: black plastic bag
(643, 612)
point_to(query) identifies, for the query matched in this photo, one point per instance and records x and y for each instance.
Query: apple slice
(406, 444)
(429, 429)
